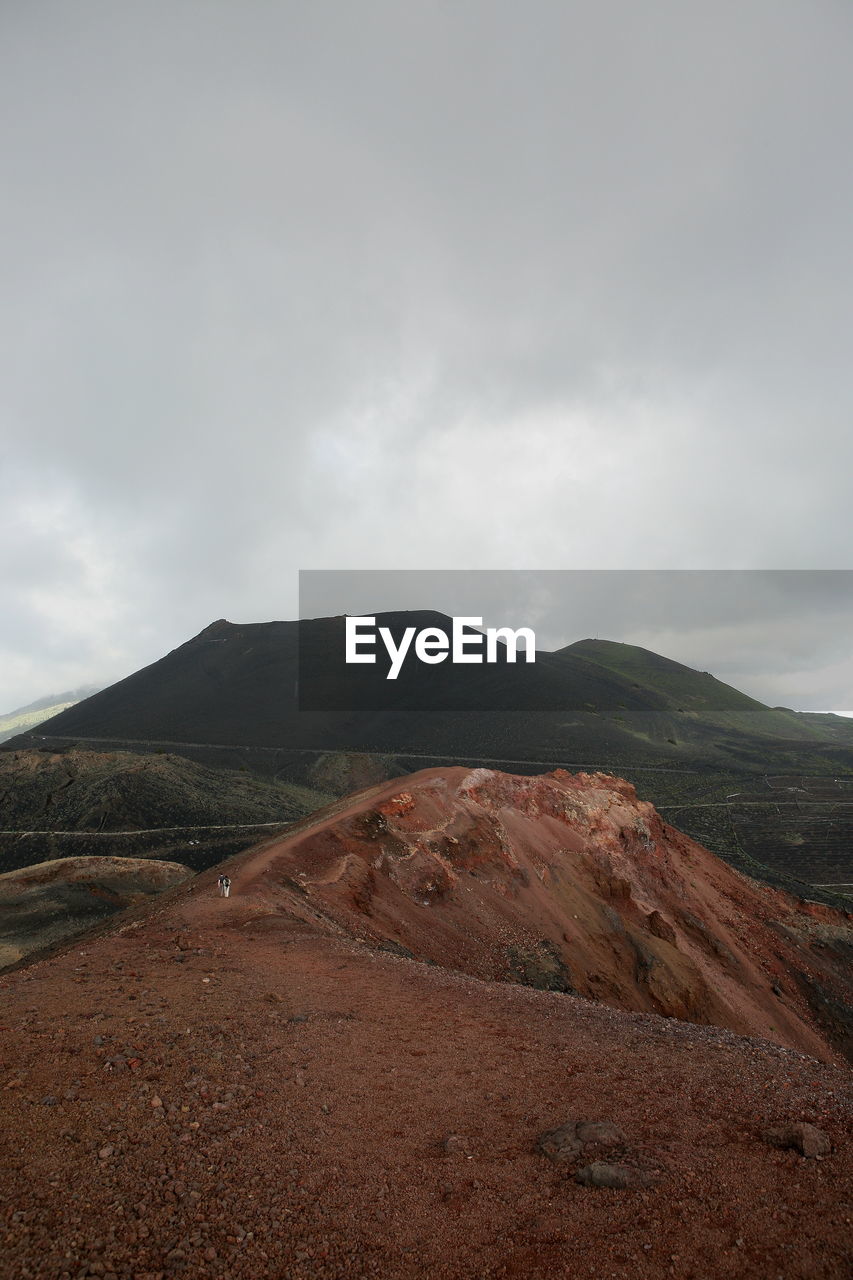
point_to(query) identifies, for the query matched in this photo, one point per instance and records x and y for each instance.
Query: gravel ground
(196, 1097)
(241, 1088)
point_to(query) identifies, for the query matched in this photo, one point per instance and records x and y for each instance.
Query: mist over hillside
(35, 713)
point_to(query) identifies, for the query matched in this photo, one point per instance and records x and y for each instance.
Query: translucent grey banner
(604, 641)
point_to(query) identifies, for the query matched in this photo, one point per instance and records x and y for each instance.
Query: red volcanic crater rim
(244, 1087)
(566, 882)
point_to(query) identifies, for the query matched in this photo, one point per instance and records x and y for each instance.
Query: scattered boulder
(456, 1144)
(567, 1142)
(540, 966)
(561, 1144)
(619, 1177)
(805, 1138)
(603, 1132)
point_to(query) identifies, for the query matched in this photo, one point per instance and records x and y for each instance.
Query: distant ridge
(692, 692)
(35, 713)
(237, 684)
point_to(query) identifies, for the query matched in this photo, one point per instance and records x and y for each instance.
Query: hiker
(224, 883)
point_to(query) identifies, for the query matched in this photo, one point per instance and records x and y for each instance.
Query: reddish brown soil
(568, 877)
(307, 1083)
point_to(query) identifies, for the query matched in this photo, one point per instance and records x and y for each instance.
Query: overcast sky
(371, 284)
(783, 636)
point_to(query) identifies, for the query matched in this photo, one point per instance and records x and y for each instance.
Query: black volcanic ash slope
(237, 685)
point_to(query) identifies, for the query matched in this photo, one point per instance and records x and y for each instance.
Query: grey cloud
(413, 285)
(783, 637)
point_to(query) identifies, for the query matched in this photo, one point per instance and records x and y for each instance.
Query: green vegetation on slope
(697, 695)
(35, 713)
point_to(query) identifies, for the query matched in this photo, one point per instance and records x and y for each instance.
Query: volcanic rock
(602, 1132)
(561, 1145)
(805, 1138)
(456, 1144)
(660, 927)
(619, 1177)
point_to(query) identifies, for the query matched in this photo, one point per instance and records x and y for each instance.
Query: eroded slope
(566, 882)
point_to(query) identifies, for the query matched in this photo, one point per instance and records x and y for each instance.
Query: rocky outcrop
(805, 1138)
(565, 882)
